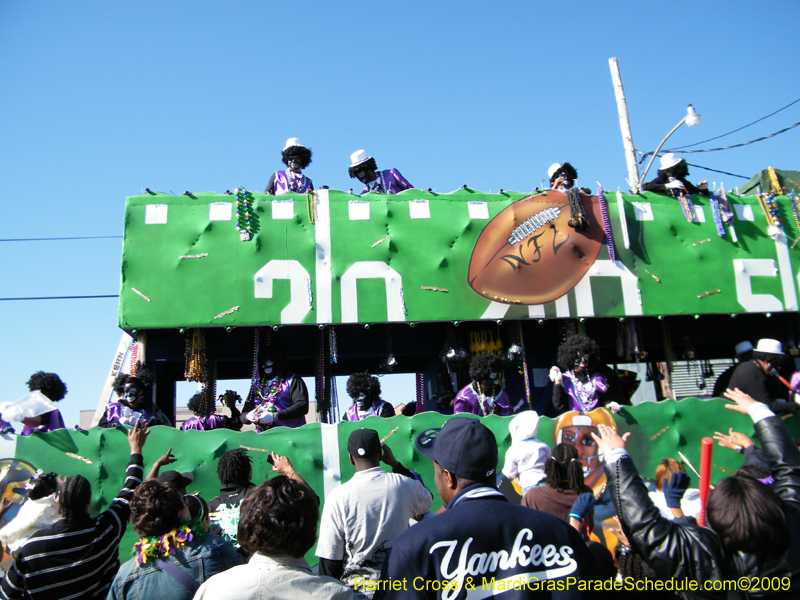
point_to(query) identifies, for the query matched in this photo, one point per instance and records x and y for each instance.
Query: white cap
(292, 142)
(669, 160)
(552, 170)
(769, 346)
(743, 347)
(358, 157)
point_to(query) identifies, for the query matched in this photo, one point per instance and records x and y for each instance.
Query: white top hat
(292, 142)
(358, 157)
(743, 347)
(552, 170)
(769, 346)
(669, 160)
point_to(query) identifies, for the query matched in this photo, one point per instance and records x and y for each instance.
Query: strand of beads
(196, 367)
(606, 223)
(793, 200)
(243, 201)
(334, 347)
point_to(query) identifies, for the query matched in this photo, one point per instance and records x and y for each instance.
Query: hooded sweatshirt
(527, 455)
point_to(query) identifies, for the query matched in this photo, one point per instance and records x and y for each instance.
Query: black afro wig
(143, 377)
(576, 347)
(364, 383)
(49, 384)
(367, 165)
(301, 152)
(567, 170)
(199, 404)
(482, 366)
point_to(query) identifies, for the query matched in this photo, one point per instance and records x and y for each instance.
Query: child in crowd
(527, 455)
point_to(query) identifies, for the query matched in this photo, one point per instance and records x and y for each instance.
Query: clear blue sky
(103, 99)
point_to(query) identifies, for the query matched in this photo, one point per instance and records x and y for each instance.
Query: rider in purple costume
(484, 396)
(582, 382)
(365, 390)
(130, 405)
(279, 398)
(205, 419)
(51, 386)
(297, 157)
(365, 169)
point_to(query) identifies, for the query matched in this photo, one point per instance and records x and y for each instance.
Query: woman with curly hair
(365, 390)
(131, 405)
(171, 560)
(582, 382)
(485, 395)
(205, 417)
(297, 157)
(51, 386)
(278, 524)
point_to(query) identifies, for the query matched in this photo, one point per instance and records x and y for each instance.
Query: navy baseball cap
(464, 446)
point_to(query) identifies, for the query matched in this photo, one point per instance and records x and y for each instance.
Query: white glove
(129, 417)
(703, 185)
(797, 398)
(268, 418)
(555, 375)
(489, 401)
(675, 184)
(614, 407)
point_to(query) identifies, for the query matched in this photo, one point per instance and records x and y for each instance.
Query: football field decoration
(330, 257)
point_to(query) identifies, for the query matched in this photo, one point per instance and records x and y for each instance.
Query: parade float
(404, 283)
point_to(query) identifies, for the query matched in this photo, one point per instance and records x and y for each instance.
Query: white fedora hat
(743, 347)
(769, 346)
(669, 160)
(552, 170)
(292, 142)
(358, 157)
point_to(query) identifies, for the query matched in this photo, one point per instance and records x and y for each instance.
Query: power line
(61, 297)
(735, 130)
(761, 139)
(89, 237)
(716, 171)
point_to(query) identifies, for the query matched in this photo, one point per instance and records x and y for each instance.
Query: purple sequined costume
(281, 401)
(467, 402)
(583, 397)
(353, 414)
(54, 421)
(389, 181)
(119, 414)
(288, 181)
(204, 423)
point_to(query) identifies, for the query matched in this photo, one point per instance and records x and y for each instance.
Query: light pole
(692, 119)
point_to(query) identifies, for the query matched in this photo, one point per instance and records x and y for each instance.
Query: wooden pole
(625, 126)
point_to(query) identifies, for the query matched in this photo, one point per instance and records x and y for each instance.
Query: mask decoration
(576, 429)
(362, 401)
(294, 164)
(268, 367)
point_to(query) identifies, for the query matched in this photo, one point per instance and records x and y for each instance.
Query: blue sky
(103, 99)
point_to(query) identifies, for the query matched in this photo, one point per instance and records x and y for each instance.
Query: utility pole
(625, 126)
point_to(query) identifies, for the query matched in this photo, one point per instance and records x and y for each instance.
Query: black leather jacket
(685, 550)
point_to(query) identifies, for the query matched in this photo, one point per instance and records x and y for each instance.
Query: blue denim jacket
(200, 560)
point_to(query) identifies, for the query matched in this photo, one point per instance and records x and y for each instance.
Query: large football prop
(528, 254)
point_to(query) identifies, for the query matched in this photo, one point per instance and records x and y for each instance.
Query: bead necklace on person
(482, 400)
(273, 387)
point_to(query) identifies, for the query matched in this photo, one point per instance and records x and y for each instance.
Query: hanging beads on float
(243, 203)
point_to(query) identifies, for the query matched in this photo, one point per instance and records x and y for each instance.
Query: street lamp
(692, 119)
